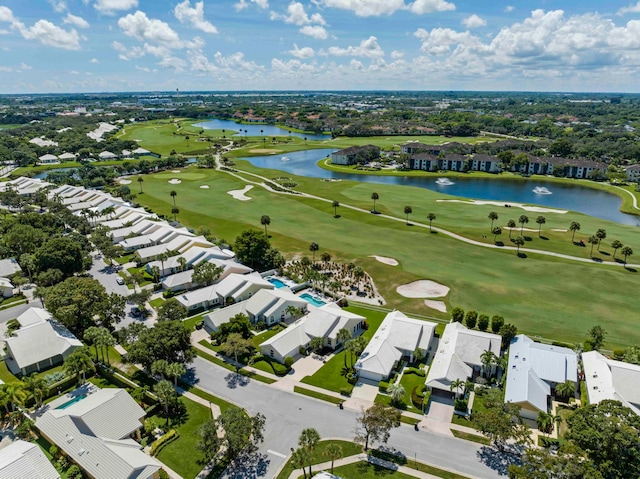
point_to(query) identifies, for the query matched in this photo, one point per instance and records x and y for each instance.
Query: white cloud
(509, 8)
(111, 7)
(194, 16)
(474, 21)
(49, 34)
(316, 31)
(297, 15)
(75, 20)
(365, 8)
(127, 53)
(93, 60)
(396, 54)
(242, 4)
(6, 15)
(17, 69)
(303, 53)
(440, 40)
(58, 5)
(368, 48)
(429, 6)
(143, 28)
(630, 9)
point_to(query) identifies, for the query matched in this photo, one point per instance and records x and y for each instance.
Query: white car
(120, 281)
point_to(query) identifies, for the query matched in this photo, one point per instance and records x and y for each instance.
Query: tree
(174, 371)
(239, 428)
(313, 247)
(457, 314)
(574, 226)
(35, 386)
(471, 319)
(524, 219)
(342, 337)
(626, 251)
(335, 204)
(496, 231)
(308, 440)
(76, 302)
(265, 221)
(173, 195)
(159, 368)
(299, 459)
(239, 324)
(375, 424)
(608, 432)
(208, 440)
(518, 241)
(508, 332)
(140, 181)
(566, 389)
(375, 197)
(28, 262)
(492, 216)
(325, 257)
(78, 363)
(568, 462)
(407, 212)
(155, 272)
(601, 234)
(61, 253)
(174, 211)
(511, 224)
(397, 392)
(431, 217)
(334, 451)
(236, 346)
(206, 273)
(593, 240)
(316, 344)
(540, 220)
(596, 337)
(456, 385)
(501, 422)
(171, 310)
(488, 359)
(253, 249)
(168, 340)
(14, 395)
(616, 244)
(165, 392)
(496, 323)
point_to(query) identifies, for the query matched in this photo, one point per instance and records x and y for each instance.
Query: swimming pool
(71, 402)
(276, 282)
(317, 302)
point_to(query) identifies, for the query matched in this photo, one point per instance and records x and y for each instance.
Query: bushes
(417, 371)
(352, 378)
(163, 441)
(346, 390)
(383, 386)
(460, 405)
(584, 397)
(288, 362)
(417, 397)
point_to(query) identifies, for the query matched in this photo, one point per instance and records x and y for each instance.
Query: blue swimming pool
(71, 402)
(317, 302)
(276, 282)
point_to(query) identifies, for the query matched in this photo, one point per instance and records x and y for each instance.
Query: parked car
(120, 281)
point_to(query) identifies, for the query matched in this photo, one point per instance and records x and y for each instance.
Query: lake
(255, 130)
(554, 195)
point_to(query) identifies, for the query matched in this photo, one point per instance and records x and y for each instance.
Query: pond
(43, 174)
(546, 193)
(255, 130)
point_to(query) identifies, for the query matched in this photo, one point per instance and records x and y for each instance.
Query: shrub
(457, 314)
(618, 354)
(288, 362)
(163, 441)
(584, 398)
(383, 386)
(346, 390)
(200, 325)
(548, 442)
(302, 350)
(417, 371)
(460, 405)
(352, 378)
(483, 322)
(162, 474)
(471, 319)
(53, 450)
(74, 472)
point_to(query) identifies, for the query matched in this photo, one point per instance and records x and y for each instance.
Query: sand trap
(240, 194)
(517, 228)
(536, 209)
(175, 171)
(205, 187)
(437, 305)
(265, 151)
(559, 229)
(423, 288)
(125, 182)
(175, 181)
(385, 260)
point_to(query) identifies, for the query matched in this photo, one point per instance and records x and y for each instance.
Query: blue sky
(126, 45)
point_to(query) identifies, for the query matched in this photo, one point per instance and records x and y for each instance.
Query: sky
(161, 45)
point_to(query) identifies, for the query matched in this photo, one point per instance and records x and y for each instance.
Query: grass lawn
(365, 470)
(156, 303)
(403, 461)
(45, 445)
(269, 333)
(5, 374)
(471, 437)
(317, 395)
(478, 407)
(489, 281)
(190, 323)
(319, 455)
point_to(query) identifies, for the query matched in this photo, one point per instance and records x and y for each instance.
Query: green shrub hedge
(383, 386)
(157, 445)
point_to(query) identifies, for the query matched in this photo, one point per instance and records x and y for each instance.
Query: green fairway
(542, 295)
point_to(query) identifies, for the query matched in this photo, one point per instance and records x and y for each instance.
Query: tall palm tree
(487, 359)
(593, 240)
(524, 219)
(173, 195)
(456, 385)
(518, 241)
(313, 247)
(265, 221)
(431, 217)
(15, 394)
(335, 205)
(36, 386)
(174, 211)
(407, 211)
(140, 181)
(165, 392)
(397, 392)
(183, 263)
(626, 251)
(162, 257)
(78, 363)
(107, 341)
(375, 197)
(155, 272)
(511, 224)
(496, 231)
(492, 216)
(175, 370)
(600, 234)
(574, 226)
(566, 389)
(309, 439)
(342, 337)
(545, 422)
(540, 220)
(334, 451)
(615, 244)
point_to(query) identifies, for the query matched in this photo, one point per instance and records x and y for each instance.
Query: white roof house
(67, 157)
(458, 355)
(6, 288)
(610, 379)
(140, 152)
(268, 305)
(144, 226)
(94, 428)
(398, 336)
(323, 322)
(48, 159)
(197, 255)
(24, 186)
(40, 343)
(534, 369)
(107, 155)
(25, 460)
(164, 234)
(9, 267)
(181, 243)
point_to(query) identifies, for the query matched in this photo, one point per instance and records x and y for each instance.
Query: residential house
(24, 186)
(458, 356)
(424, 161)
(633, 173)
(25, 460)
(269, 306)
(323, 322)
(138, 152)
(610, 379)
(486, 163)
(94, 428)
(180, 244)
(9, 267)
(178, 280)
(161, 235)
(48, 159)
(125, 154)
(40, 343)
(397, 338)
(107, 155)
(6, 288)
(67, 157)
(355, 154)
(535, 369)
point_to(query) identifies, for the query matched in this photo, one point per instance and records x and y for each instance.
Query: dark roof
(483, 157)
(355, 149)
(424, 156)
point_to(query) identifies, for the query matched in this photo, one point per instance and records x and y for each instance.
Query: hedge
(346, 390)
(383, 386)
(584, 397)
(158, 444)
(417, 371)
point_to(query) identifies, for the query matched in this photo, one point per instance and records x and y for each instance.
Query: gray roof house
(25, 460)
(40, 343)
(94, 428)
(9, 267)
(610, 379)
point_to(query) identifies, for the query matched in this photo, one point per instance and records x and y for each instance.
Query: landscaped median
(230, 367)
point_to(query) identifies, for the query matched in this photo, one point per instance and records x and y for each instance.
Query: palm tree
(265, 221)
(78, 363)
(15, 394)
(407, 211)
(615, 244)
(36, 386)
(163, 257)
(140, 181)
(313, 247)
(155, 272)
(492, 216)
(523, 220)
(92, 337)
(173, 195)
(309, 439)
(349, 347)
(182, 261)
(334, 451)
(496, 231)
(487, 359)
(518, 241)
(431, 217)
(342, 337)
(40, 292)
(299, 459)
(374, 196)
(165, 392)
(335, 205)
(175, 370)
(540, 220)
(397, 392)
(566, 389)
(574, 226)
(545, 422)
(600, 234)
(107, 341)
(456, 385)
(174, 211)
(593, 240)
(626, 251)
(511, 224)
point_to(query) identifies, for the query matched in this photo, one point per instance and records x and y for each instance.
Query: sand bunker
(536, 209)
(423, 288)
(175, 181)
(265, 151)
(437, 305)
(205, 187)
(240, 194)
(385, 260)
(559, 230)
(125, 182)
(175, 171)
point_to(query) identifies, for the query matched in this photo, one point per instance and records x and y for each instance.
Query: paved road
(10, 313)
(288, 413)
